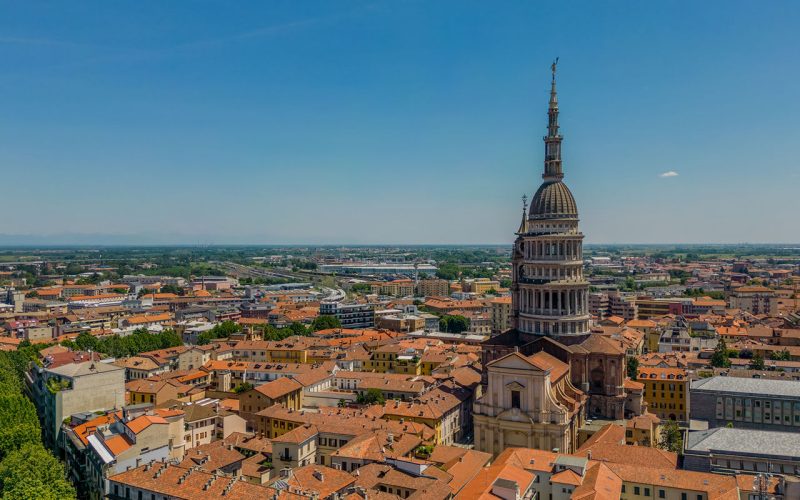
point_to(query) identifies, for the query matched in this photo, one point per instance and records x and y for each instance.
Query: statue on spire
(553, 67)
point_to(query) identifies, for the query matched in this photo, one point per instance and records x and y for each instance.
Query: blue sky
(395, 121)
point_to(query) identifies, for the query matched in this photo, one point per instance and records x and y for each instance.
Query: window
(683, 496)
(636, 490)
(515, 397)
(662, 494)
(647, 492)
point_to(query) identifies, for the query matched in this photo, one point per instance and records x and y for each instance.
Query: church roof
(597, 343)
(553, 200)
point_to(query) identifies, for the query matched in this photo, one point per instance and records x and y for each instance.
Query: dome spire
(523, 226)
(552, 141)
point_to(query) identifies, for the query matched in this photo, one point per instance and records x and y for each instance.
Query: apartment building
(501, 314)
(73, 383)
(666, 391)
(350, 315)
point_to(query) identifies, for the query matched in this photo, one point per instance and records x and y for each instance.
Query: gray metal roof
(753, 442)
(749, 386)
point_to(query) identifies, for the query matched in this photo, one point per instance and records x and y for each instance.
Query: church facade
(548, 372)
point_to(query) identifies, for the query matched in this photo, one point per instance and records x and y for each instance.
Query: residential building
(166, 480)
(666, 391)
(501, 314)
(285, 391)
(350, 315)
(432, 288)
(83, 384)
(755, 300)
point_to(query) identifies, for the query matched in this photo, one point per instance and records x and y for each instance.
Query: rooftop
(751, 386)
(748, 441)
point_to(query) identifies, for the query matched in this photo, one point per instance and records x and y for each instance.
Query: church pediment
(514, 361)
(515, 386)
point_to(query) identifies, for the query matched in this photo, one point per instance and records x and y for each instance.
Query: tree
(243, 387)
(371, 397)
(448, 271)
(780, 355)
(720, 357)
(361, 288)
(757, 363)
(633, 367)
(671, 437)
(491, 291)
(325, 322)
(32, 472)
(172, 289)
(453, 323)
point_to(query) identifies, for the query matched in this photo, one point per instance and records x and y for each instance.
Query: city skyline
(380, 123)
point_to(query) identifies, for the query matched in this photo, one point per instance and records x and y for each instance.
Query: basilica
(544, 376)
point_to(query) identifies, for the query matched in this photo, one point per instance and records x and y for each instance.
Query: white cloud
(669, 173)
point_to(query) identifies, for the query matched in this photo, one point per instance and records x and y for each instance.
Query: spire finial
(524, 202)
(552, 158)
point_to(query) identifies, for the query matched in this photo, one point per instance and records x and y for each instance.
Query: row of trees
(139, 341)
(722, 356)
(453, 323)
(225, 329)
(27, 469)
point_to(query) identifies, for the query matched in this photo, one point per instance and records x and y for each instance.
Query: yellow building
(642, 430)
(433, 288)
(283, 351)
(479, 285)
(651, 333)
(383, 359)
(666, 391)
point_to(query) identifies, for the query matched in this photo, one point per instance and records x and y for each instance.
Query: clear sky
(395, 121)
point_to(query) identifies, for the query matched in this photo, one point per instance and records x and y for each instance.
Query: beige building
(501, 314)
(755, 300)
(433, 288)
(400, 322)
(84, 386)
(529, 403)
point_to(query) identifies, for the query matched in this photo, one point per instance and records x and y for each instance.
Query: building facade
(748, 403)
(529, 403)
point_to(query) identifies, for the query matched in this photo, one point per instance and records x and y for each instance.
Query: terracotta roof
(716, 486)
(278, 387)
(186, 484)
(139, 424)
(117, 444)
(566, 476)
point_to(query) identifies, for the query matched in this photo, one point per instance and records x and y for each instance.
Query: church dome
(553, 200)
